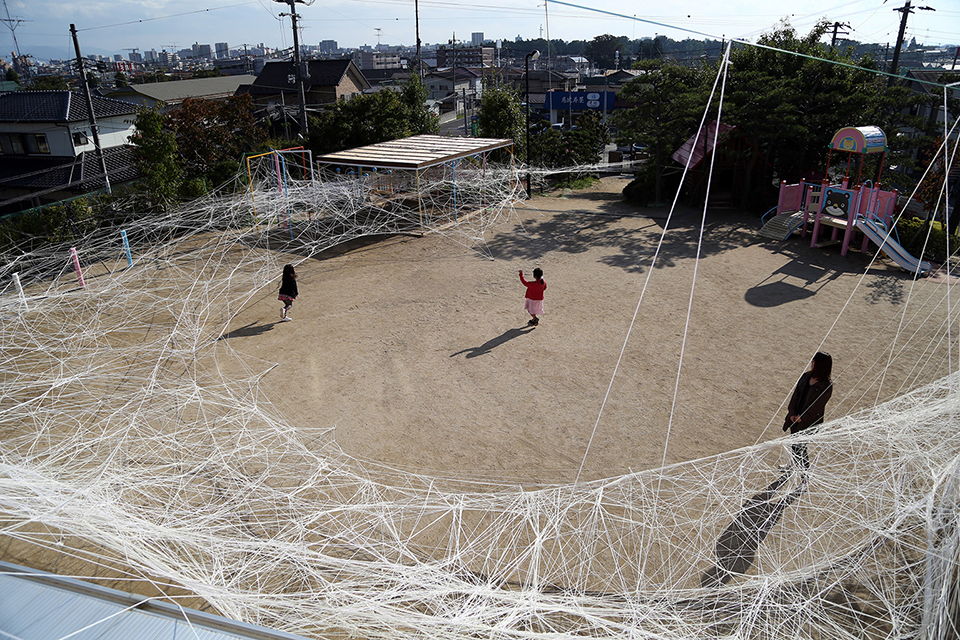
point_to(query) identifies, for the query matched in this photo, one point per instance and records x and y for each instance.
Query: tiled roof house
(328, 81)
(47, 151)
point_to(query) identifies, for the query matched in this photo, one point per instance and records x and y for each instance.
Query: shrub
(913, 235)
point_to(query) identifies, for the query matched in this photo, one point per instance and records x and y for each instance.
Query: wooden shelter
(396, 173)
(416, 152)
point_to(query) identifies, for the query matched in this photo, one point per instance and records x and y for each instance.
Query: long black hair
(289, 272)
(822, 366)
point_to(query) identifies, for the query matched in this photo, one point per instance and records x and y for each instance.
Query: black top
(288, 287)
(809, 402)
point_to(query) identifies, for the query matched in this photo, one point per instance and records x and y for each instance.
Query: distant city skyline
(114, 26)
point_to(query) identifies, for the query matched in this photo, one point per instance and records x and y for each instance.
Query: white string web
(125, 446)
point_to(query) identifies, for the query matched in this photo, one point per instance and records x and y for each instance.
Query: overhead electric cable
(173, 15)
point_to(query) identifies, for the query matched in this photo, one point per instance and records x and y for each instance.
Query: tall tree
(156, 157)
(666, 100)
(501, 115)
(420, 118)
(790, 95)
(786, 98)
(602, 51)
(584, 144)
(210, 132)
(372, 118)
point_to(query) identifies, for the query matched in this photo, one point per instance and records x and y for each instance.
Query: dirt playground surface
(416, 349)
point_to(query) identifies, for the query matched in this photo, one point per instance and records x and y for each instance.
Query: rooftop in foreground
(415, 152)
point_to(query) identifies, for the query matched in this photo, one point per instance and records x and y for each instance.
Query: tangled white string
(124, 445)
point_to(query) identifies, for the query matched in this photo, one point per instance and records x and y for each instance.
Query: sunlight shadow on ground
(738, 544)
(249, 330)
(492, 343)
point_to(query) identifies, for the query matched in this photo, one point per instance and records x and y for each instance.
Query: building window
(12, 144)
(79, 138)
(37, 143)
(19, 144)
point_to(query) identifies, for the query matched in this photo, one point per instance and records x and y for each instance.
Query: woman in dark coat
(808, 403)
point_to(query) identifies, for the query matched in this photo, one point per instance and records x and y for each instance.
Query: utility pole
(93, 118)
(905, 11)
(13, 23)
(304, 125)
(836, 26)
(416, 13)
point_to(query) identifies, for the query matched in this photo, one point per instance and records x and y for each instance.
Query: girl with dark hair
(288, 291)
(808, 403)
(534, 298)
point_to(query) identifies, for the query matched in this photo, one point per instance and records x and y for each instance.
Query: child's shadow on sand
(249, 330)
(489, 345)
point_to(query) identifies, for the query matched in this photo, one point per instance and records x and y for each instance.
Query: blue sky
(112, 26)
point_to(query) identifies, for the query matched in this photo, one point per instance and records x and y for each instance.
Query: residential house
(327, 81)
(47, 151)
(447, 88)
(170, 94)
(386, 77)
(610, 80)
(572, 64)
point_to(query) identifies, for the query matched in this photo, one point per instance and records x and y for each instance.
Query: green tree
(120, 79)
(49, 83)
(589, 138)
(501, 115)
(651, 48)
(667, 101)
(359, 121)
(414, 97)
(209, 132)
(786, 107)
(582, 145)
(13, 76)
(602, 51)
(372, 118)
(786, 99)
(156, 156)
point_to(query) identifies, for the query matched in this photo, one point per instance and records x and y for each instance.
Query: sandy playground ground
(417, 351)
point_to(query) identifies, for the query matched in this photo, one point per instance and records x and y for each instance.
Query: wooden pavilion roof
(415, 152)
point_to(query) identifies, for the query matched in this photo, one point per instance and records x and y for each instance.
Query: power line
(173, 15)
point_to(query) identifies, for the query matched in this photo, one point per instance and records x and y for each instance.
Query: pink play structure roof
(861, 140)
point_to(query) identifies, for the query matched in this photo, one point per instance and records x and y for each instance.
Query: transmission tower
(12, 24)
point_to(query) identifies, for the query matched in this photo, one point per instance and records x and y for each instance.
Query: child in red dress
(534, 299)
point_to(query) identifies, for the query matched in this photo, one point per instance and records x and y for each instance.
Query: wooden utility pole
(416, 15)
(298, 65)
(836, 26)
(93, 118)
(905, 11)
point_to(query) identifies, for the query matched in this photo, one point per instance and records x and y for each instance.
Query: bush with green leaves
(554, 149)
(919, 236)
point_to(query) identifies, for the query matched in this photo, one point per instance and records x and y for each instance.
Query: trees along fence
(786, 98)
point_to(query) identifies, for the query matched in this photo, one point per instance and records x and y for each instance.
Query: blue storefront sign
(580, 100)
